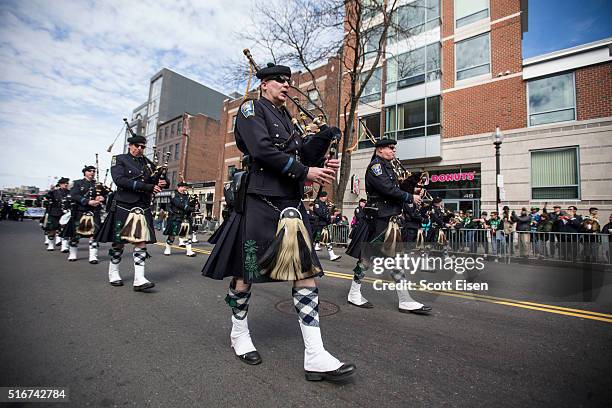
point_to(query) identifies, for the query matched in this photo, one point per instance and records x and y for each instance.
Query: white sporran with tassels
(289, 257)
(86, 225)
(136, 228)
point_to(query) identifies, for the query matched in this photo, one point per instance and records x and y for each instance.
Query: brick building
(194, 144)
(465, 76)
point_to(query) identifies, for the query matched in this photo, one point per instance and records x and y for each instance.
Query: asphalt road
(61, 324)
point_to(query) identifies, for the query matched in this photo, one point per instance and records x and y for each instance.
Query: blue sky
(558, 24)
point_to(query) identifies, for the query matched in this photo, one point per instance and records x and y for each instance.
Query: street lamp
(498, 138)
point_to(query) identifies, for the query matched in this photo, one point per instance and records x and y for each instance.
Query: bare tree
(307, 33)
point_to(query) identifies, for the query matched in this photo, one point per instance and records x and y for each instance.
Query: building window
(176, 151)
(170, 151)
(551, 99)
(373, 124)
(173, 181)
(414, 67)
(413, 19)
(313, 95)
(371, 90)
(230, 172)
(369, 8)
(468, 11)
(372, 40)
(473, 56)
(554, 174)
(172, 130)
(166, 131)
(234, 122)
(179, 127)
(413, 119)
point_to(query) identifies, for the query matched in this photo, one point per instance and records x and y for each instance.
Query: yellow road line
(584, 314)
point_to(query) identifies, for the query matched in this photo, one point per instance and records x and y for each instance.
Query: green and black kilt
(69, 230)
(173, 226)
(115, 220)
(366, 232)
(52, 223)
(245, 238)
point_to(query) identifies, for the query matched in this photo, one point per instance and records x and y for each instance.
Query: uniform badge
(376, 169)
(114, 161)
(248, 109)
(316, 205)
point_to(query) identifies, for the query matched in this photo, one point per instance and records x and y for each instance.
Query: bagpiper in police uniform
(228, 194)
(85, 215)
(55, 209)
(129, 219)
(266, 239)
(321, 225)
(385, 200)
(180, 221)
(194, 213)
(359, 216)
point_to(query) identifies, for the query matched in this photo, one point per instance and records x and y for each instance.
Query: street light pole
(497, 142)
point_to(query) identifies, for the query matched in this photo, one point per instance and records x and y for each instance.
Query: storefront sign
(437, 178)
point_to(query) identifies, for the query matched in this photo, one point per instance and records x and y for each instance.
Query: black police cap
(137, 140)
(437, 200)
(323, 194)
(182, 184)
(63, 180)
(273, 70)
(385, 142)
(88, 168)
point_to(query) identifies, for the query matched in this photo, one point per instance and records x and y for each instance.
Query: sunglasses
(140, 146)
(279, 79)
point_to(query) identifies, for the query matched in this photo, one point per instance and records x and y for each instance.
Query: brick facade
(198, 149)
(477, 107)
(594, 91)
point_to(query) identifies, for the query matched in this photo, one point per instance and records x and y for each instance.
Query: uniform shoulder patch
(376, 169)
(114, 161)
(248, 109)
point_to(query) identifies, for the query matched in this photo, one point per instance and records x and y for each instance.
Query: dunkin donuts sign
(436, 178)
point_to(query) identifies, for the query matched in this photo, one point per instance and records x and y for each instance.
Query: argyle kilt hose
(306, 302)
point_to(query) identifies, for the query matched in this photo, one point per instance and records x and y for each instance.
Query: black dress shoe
(366, 305)
(144, 287)
(424, 310)
(94, 262)
(251, 358)
(192, 255)
(117, 283)
(65, 251)
(72, 260)
(340, 374)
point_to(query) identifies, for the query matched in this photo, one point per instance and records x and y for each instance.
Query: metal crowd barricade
(559, 246)
(338, 234)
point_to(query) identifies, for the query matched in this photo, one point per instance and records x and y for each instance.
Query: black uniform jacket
(279, 156)
(81, 192)
(321, 212)
(179, 206)
(132, 175)
(56, 198)
(383, 189)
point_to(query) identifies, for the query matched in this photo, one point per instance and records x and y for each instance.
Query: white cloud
(70, 70)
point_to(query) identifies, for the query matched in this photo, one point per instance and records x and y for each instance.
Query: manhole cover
(325, 308)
